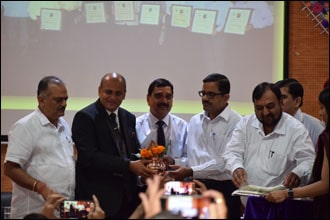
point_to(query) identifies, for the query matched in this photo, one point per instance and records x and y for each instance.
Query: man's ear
(281, 101)
(227, 96)
(298, 101)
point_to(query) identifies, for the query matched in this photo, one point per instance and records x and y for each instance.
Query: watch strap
(290, 193)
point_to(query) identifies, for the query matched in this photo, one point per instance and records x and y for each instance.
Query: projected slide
(182, 41)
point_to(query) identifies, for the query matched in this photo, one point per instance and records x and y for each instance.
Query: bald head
(115, 77)
(112, 91)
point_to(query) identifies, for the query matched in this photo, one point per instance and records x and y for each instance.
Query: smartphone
(75, 209)
(195, 206)
(179, 188)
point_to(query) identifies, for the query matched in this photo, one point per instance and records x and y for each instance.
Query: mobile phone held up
(75, 209)
(179, 188)
(190, 207)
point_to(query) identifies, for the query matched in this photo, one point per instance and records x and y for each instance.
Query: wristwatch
(290, 193)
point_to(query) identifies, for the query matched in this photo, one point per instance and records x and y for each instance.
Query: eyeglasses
(160, 96)
(210, 95)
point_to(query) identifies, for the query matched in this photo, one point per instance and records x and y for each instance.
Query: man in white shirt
(40, 155)
(208, 134)
(292, 100)
(160, 101)
(270, 147)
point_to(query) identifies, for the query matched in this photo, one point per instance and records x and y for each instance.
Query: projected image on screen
(182, 41)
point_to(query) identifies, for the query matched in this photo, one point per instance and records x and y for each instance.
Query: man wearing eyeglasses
(160, 101)
(208, 133)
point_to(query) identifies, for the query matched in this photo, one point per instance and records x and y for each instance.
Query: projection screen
(182, 41)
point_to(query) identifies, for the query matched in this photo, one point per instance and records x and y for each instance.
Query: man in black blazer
(106, 165)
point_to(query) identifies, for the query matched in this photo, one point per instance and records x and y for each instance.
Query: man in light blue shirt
(160, 101)
(292, 100)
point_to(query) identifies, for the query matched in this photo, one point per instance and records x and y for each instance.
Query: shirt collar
(116, 112)
(154, 120)
(299, 115)
(224, 115)
(279, 128)
(44, 120)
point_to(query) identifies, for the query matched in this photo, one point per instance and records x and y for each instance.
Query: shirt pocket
(275, 162)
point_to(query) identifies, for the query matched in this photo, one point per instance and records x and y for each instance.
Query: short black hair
(294, 88)
(46, 81)
(222, 80)
(160, 82)
(260, 89)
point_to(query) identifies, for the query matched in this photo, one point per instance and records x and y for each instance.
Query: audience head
(160, 97)
(292, 95)
(215, 94)
(35, 216)
(112, 91)
(52, 98)
(164, 214)
(267, 103)
(324, 106)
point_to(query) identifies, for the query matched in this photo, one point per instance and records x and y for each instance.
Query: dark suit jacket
(100, 169)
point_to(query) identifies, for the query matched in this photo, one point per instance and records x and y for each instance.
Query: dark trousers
(226, 187)
(129, 204)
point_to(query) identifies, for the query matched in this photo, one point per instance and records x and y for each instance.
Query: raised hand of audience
(199, 186)
(96, 212)
(151, 199)
(218, 208)
(52, 203)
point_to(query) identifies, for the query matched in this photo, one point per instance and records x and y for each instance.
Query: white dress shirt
(267, 159)
(206, 141)
(46, 153)
(313, 125)
(175, 130)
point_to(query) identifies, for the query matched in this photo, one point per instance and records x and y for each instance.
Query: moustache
(163, 105)
(61, 109)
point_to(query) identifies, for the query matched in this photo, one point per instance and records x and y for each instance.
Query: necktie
(160, 134)
(114, 121)
(116, 135)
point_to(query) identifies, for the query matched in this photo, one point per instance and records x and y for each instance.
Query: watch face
(290, 193)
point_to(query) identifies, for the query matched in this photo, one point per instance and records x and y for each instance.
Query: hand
(291, 180)
(164, 178)
(277, 196)
(140, 169)
(199, 187)
(180, 172)
(151, 200)
(47, 192)
(96, 211)
(168, 160)
(218, 209)
(239, 177)
(53, 202)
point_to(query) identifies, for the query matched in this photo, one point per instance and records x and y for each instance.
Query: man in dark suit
(106, 164)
